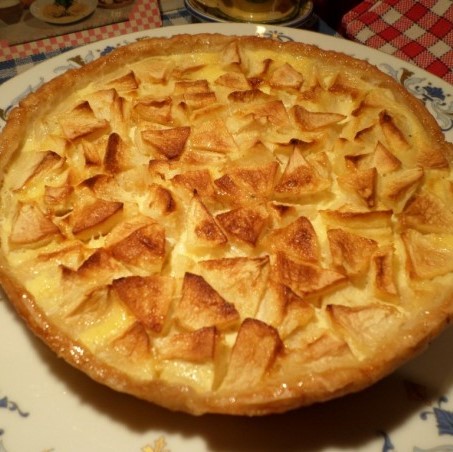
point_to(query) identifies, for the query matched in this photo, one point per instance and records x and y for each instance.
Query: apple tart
(227, 224)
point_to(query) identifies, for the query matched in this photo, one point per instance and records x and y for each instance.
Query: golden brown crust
(228, 224)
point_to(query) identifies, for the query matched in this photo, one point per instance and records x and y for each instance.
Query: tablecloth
(144, 14)
(11, 66)
(420, 32)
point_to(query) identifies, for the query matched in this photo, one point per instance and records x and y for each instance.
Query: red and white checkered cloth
(420, 32)
(144, 15)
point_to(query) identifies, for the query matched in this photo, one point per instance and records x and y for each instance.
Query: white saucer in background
(37, 10)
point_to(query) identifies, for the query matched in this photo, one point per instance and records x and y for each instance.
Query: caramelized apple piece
(307, 279)
(367, 326)
(196, 180)
(202, 228)
(31, 225)
(384, 272)
(191, 87)
(257, 347)
(429, 255)
(149, 298)
(298, 240)
(127, 82)
(233, 80)
(156, 110)
(95, 218)
(351, 253)
(373, 219)
(286, 76)
(169, 143)
(384, 160)
(49, 161)
(196, 346)
(250, 276)
(244, 223)
(242, 184)
(81, 121)
(143, 249)
(362, 183)
(393, 134)
(309, 120)
(97, 271)
(133, 343)
(399, 186)
(427, 213)
(213, 136)
(201, 306)
(300, 178)
(199, 100)
(283, 309)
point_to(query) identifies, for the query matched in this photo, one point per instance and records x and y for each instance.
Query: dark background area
(331, 11)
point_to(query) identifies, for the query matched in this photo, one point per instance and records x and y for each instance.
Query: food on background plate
(228, 224)
(63, 8)
(113, 4)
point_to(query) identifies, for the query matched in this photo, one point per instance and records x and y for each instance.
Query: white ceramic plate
(45, 405)
(38, 9)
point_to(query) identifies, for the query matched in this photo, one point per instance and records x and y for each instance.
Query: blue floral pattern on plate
(8, 404)
(444, 418)
(439, 103)
(443, 422)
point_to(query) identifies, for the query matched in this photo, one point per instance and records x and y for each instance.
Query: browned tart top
(223, 224)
